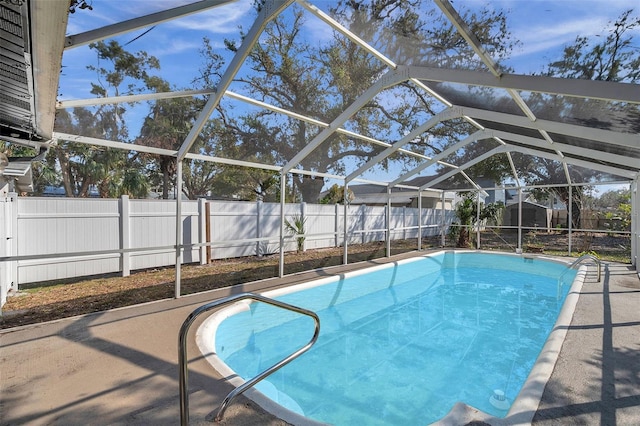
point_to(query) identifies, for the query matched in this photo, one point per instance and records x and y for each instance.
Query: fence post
(15, 278)
(443, 237)
(203, 215)
(345, 230)
(259, 214)
(388, 223)
(363, 220)
(570, 208)
(336, 224)
(520, 219)
(419, 220)
(478, 221)
(125, 235)
(404, 222)
(303, 216)
(9, 269)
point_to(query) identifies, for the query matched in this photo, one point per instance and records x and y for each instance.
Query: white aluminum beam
(583, 132)
(220, 160)
(589, 89)
(269, 11)
(341, 29)
(144, 21)
(494, 151)
(481, 134)
(472, 182)
(577, 162)
(571, 149)
(447, 114)
(431, 92)
(72, 103)
(469, 36)
(232, 162)
(391, 78)
(187, 93)
(113, 144)
(505, 148)
(159, 151)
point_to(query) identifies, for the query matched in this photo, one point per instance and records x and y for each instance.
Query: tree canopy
(289, 69)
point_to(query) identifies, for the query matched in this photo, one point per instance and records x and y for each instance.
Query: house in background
(376, 195)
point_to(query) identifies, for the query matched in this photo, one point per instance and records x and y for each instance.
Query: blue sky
(543, 28)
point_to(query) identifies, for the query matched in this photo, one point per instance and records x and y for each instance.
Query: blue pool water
(402, 344)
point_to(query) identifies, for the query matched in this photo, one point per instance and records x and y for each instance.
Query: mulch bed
(60, 299)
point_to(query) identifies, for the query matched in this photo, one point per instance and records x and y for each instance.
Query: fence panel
(50, 227)
(66, 225)
(321, 219)
(375, 221)
(152, 223)
(397, 222)
(234, 221)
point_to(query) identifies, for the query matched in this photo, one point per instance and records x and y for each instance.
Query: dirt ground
(60, 299)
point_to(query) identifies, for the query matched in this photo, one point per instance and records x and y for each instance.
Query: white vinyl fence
(57, 238)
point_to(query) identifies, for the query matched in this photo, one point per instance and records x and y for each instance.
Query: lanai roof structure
(580, 124)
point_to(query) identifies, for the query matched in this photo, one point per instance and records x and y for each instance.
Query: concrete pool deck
(120, 367)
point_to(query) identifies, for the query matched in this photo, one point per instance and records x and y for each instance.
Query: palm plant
(467, 213)
(296, 226)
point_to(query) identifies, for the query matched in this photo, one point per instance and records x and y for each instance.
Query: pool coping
(522, 410)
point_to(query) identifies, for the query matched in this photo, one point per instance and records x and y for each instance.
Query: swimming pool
(403, 343)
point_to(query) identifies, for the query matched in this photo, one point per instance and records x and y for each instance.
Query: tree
(167, 126)
(335, 195)
(321, 81)
(611, 199)
(615, 208)
(113, 172)
(610, 58)
(467, 214)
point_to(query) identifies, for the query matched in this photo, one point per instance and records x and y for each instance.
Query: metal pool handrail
(580, 259)
(182, 350)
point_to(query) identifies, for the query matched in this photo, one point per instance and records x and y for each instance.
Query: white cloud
(176, 46)
(317, 30)
(545, 37)
(220, 20)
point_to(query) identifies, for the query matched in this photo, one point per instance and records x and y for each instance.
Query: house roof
(32, 34)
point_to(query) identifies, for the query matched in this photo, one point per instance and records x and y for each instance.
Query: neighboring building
(376, 195)
(533, 215)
